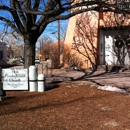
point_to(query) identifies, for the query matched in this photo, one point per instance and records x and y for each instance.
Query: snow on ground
(113, 89)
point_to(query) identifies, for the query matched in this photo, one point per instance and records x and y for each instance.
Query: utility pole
(58, 41)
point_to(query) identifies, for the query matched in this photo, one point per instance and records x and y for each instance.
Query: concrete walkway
(116, 79)
(120, 79)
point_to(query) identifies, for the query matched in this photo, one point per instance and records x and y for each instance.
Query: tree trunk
(29, 51)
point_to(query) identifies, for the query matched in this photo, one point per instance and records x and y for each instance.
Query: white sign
(15, 79)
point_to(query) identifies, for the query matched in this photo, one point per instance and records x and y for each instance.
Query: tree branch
(10, 23)
(13, 11)
(21, 14)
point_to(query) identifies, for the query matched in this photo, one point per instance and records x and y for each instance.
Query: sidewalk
(120, 79)
(117, 79)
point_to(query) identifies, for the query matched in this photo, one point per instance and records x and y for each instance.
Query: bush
(71, 58)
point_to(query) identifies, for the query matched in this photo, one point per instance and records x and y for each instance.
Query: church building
(99, 38)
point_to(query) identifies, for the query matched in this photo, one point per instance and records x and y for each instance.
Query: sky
(52, 29)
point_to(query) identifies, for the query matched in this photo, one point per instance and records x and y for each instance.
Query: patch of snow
(106, 108)
(111, 124)
(113, 89)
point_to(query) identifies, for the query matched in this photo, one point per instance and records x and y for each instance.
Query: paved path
(121, 79)
(112, 78)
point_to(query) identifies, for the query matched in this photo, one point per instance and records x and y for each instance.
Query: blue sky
(53, 28)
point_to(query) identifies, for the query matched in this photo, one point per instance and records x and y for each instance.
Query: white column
(32, 78)
(41, 83)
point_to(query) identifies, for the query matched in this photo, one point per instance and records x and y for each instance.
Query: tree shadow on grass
(52, 85)
(8, 99)
(48, 105)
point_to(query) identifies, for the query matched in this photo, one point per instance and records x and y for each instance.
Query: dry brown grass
(67, 107)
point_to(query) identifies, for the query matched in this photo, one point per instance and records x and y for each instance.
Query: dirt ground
(78, 106)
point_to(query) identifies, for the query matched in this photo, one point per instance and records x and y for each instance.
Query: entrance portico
(106, 34)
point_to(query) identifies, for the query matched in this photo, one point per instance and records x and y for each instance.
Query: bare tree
(44, 45)
(29, 18)
(14, 44)
(71, 59)
(54, 53)
(85, 39)
(49, 49)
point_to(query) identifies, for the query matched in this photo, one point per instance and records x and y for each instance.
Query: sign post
(15, 79)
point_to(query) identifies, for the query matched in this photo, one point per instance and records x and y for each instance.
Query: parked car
(37, 60)
(22, 60)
